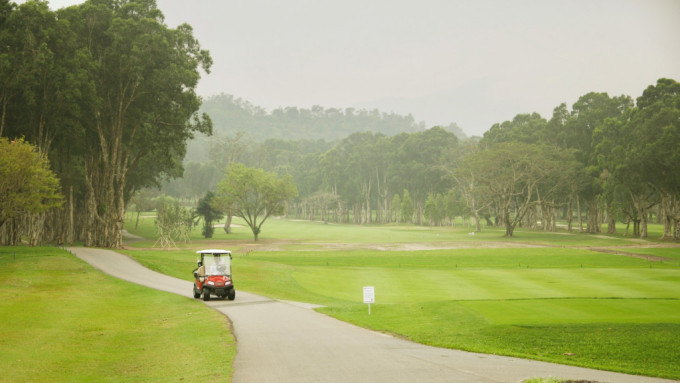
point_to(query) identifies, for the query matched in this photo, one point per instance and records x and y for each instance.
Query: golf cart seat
(201, 272)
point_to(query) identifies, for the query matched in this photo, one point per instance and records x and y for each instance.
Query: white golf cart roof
(214, 251)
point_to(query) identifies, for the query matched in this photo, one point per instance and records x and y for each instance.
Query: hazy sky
(470, 62)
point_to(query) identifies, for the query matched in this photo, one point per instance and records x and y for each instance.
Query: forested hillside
(231, 115)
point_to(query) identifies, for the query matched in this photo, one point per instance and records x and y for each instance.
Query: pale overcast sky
(470, 62)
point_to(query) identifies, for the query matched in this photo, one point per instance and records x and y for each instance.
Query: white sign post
(369, 296)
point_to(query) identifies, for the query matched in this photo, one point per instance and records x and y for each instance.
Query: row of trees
(607, 159)
(105, 90)
(621, 158)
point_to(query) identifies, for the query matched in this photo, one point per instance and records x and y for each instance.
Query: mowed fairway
(614, 313)
(561, 304)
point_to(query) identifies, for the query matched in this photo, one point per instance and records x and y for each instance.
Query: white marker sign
(369, 294)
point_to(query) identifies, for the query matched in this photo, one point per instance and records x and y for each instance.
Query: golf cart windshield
(217, 265)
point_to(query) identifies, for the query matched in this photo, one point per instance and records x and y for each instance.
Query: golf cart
(213, 275)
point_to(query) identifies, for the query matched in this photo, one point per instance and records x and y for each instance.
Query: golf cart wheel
(206, 295)
(197, 293)
(232, 294)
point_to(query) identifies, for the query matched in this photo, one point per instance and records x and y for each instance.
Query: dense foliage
(253, 195)
(605, 160)
(106, 90)
(232, 115)
(27, 187)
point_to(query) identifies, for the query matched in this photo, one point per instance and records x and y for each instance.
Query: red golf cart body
(213, 275)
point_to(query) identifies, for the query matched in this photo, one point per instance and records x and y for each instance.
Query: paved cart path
(280, 341)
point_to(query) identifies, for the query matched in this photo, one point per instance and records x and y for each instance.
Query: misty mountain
(475, 106)
(231, 115)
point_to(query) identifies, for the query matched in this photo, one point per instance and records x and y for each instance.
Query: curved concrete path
(281, 341)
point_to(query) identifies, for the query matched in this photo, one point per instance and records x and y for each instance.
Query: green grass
(302, 235)
(64, 321)
(563, 305)
(555, 301)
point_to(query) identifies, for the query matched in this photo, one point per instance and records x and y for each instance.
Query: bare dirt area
(416, 246)
(629, 251)
(246, 247)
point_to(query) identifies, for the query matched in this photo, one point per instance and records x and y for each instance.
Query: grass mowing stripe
(576, 310)
(513, 258)
(399, 285)
(639, 282)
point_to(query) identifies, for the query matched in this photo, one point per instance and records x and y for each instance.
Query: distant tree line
(605, 160)
(105, 91)
(232, 115)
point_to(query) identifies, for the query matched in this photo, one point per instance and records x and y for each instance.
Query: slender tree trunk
(643, 223)
(611, 219)
(70, 221)
(668, 210)
(509, 225)
(3, 113)
(593, 216)
(570, 213)
(578, 211)
(36, 225)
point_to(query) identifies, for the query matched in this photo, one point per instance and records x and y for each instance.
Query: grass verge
(64, 321)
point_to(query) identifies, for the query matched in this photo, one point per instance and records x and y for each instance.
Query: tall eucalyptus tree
(144, 107)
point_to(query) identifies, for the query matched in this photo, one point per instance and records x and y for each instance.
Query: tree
(658, 117)
(587, 115)
(206, 209)
(435, 210)
(396, 208)
(640, 152)
(529, 128)
(406, 207)
(143, 201)
(518, 176)
(143, 108)
(418, 165)
(27, 185)
(254, 194)
(173, 222)
(466, 178)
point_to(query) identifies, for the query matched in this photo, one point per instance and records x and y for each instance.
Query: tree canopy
(254, 194)
(107, 91)
(27, 185)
